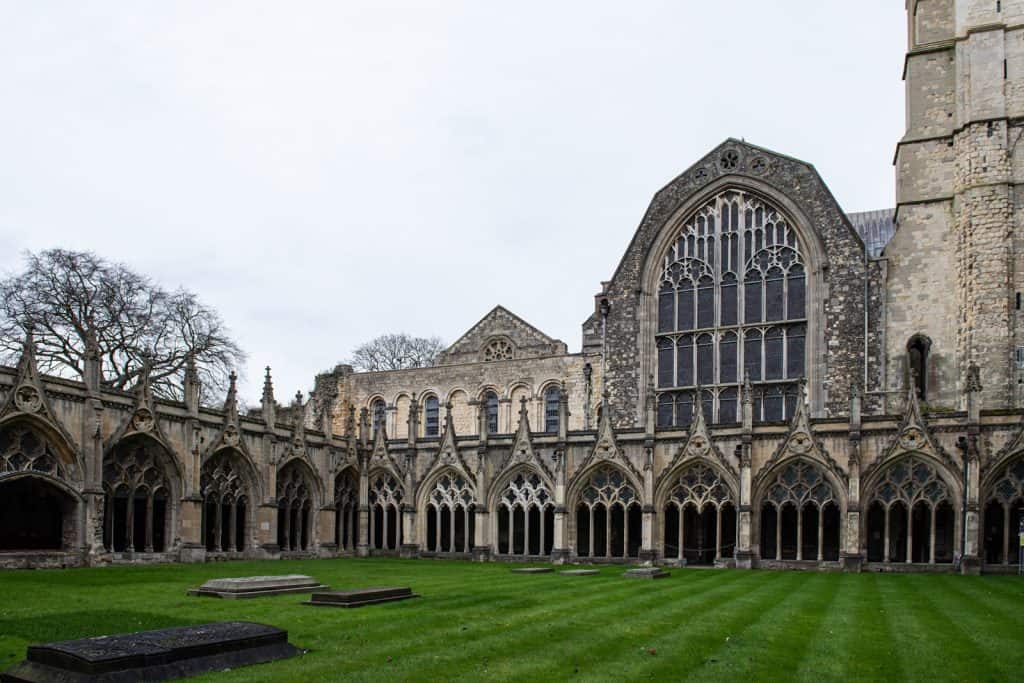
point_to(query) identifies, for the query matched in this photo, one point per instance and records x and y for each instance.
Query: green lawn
(481, 621)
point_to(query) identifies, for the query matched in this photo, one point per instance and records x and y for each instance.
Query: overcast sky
(324, 172)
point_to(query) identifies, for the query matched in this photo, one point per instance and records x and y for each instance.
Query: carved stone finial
(268, 387)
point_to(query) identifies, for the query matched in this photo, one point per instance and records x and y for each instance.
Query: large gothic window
(732, 300)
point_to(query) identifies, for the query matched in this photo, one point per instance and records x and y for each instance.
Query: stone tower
(952, 273)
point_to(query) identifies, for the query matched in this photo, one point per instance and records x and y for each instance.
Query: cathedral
(764, 381)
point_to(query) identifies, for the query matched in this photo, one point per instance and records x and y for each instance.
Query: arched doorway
(526, 517)
(911, 517)
(699, 516)
(800, 515)
(139, 482)
(608, 516)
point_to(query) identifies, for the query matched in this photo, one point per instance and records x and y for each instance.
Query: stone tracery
(526, 516)
(608, 522)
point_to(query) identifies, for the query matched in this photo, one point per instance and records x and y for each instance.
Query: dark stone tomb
(153, 655)
(532, 570)
(358, 598)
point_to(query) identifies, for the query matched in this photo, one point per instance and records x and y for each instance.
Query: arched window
(378, 409)
(431, 421)
(608, 516)
(552, 396)
(491, 403)
(910, 515)
(732, 300)
(917, 361)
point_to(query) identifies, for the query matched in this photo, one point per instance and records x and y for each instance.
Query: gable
(500, 335)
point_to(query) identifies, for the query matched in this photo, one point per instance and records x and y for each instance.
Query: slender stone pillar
(559, 546)
(852, 555)
(747, 554)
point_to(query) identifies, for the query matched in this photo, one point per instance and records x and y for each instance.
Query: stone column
(746, 555)
(649, 516)
(852, 554)
(970, 562)
(559, 545)
(325, 532)
(410, 546)
(363, 541)
(482, 540)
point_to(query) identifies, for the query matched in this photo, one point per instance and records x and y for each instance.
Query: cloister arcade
(296, 490)
(227, 502)
(526, 516)
(140, 484)
(1004, 506)
(608, 515)
(800, 514)
(449, 522)
(385, 520)
(699, 515)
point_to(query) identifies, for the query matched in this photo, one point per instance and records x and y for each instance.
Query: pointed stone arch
(232, 489)
(346, 508)
(40, 512)
(605, 502)
(522, 504)
(447, 501)
(699, 501)
(802, 500)
(386, 497)
(73, 467)
(142, 484)
(1002, 498)
(911, 491)
(299, 495)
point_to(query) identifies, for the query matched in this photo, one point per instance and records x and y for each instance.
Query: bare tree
(69, 297)
(396, 352)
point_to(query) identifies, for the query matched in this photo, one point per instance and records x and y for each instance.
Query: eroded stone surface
(253, 586)
(361, 597)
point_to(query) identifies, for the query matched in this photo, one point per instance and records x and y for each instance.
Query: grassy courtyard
(481, 621)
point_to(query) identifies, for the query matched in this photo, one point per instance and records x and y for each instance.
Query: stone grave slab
(580, 572)
(646, 573)
(360, 597)
(532, 570)
(257, 586)
(153, 655)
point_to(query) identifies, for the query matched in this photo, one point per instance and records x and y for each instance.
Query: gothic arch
(522, 518)
(815, 262)
(1002, 498)
(231, 491)
(670, 478)
(447, 501)
(142, 483)
(911, 510)
(346, 508)
(795, 493)
(298, 498)
(39, 511)
(73, 465)
(387, 495)
(500, 483)
(605, 503)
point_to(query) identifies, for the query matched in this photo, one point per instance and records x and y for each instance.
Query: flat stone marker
(153, 655)
(532, 570)
(258, 586)
(646, 573)
(580, 572)
(358, 598)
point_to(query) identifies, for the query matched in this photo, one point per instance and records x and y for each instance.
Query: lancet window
(431, 415)
(450, 518)
(731, 300)
(491, 406)
(552, 397)
(800, 515)
(700, 517)
(386, 496)
(225, 505)
(608, 516)
(526, 517)
(910, 515)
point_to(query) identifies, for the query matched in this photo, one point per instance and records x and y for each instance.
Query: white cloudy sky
(322, 172)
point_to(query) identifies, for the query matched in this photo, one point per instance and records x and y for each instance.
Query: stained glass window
(732, 300)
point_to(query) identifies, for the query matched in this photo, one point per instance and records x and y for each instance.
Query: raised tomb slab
(257, 586)
(153, 655)
(646, 573)
(532, 570)
(360, 597)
